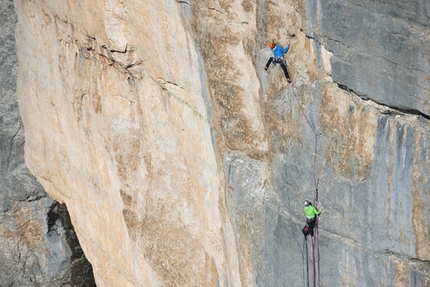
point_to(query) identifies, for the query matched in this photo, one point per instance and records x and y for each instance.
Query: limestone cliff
(38, 244)
(183, 163)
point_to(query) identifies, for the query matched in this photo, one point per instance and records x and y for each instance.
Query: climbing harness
(315, 241)
(278, 60)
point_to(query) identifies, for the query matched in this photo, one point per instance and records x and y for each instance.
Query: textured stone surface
(183, 163)
(38, 244)
(381, 49)
(131, 136)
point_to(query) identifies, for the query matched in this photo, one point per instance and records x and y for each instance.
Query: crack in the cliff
(419, 265)
(273, 3)
(2, 60)
(162, 83)
(420, 261)
(215, 9)
(394, 108)
(12, 140)
(110, 56)
(422, 266)
(366, 98)
(328, 38)
(175, 84)
(32, 198)
(182, 2)
(116, 51)
(21, 144)
(413, 262)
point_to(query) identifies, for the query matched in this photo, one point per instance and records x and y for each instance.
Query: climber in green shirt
(310, 212)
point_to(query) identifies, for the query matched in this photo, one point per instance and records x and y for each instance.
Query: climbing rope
(315, 242)
(304, 249)
(305, 256)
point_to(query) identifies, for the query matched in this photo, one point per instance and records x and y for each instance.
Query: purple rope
(306, 281)
(315, 241)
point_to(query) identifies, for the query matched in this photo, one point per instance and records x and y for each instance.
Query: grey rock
(370, 230)
(381, 49)
(366, 229)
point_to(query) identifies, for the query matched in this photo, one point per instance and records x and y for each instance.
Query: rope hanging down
(305, 258)
(315, 242)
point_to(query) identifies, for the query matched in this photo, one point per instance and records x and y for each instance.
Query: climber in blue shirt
(278, 58)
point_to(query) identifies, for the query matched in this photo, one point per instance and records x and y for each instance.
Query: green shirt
(311, 211)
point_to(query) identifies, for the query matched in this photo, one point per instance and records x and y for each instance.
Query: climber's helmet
(271, 45)
(306, 203)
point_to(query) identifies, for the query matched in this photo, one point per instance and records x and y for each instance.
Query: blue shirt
(278, 51)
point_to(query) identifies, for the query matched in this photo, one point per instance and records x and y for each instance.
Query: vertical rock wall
(119, 131)
(38, 244)
(183, 163)
(380, 49)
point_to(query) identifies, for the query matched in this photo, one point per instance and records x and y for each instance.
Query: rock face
(380, 49)
(38, 244)
(183, 163)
